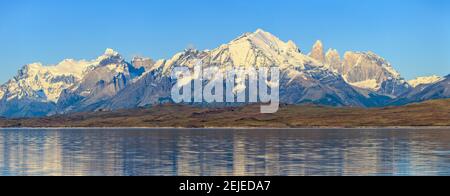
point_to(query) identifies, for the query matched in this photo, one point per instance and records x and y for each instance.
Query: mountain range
(356, 79)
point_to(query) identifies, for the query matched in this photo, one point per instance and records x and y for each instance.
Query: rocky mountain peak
(317, 52)
(144, 62)
(368, 70)
(333, 60)
(110, 52)
(257, 49)
(110, 57)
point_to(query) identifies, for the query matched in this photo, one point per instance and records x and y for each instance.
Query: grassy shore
(431, 113)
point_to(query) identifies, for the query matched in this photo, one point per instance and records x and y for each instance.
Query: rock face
(142, 62)
(153, 88)
(333, 60)
(111, 75)
(363, 70)
(370, 71)
(317, 52)
(109, 82)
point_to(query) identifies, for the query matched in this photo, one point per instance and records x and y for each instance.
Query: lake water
(224, 152)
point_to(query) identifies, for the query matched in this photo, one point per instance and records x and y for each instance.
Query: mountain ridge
(109, 82)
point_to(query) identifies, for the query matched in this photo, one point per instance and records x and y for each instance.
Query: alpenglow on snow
(109, 82)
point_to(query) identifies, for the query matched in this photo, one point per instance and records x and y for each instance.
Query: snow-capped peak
(425, 80)
(264, 40)
(256, 49)
(259, 30)
(67, 67)
(110, 52)
(45, 83)
(262, 48)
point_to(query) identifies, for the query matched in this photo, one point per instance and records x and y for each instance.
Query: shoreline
(381, 128)
(428, 115)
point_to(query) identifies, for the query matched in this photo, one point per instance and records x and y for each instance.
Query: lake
(208, 152)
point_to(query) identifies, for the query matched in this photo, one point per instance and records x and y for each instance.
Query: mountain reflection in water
(224, 152)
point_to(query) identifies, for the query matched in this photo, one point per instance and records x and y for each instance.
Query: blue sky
(414, 35)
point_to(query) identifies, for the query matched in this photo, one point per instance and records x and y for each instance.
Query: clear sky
(414, 35)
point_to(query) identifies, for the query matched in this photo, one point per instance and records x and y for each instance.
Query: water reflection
(225, 152)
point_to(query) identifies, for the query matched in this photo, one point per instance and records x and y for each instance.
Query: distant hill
(431, 113)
